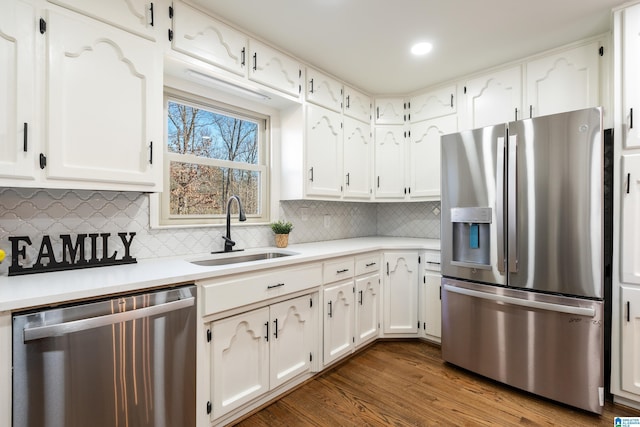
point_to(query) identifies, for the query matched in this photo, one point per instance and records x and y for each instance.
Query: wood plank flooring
(406, 383)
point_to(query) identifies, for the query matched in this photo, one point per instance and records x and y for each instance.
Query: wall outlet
(327, 221)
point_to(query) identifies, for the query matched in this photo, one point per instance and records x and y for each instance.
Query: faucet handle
(228, 241)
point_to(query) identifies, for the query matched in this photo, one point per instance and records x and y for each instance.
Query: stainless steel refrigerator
(522, 255)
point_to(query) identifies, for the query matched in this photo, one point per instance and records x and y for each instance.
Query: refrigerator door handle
(579, 311)
(512, 214)
(500, 204)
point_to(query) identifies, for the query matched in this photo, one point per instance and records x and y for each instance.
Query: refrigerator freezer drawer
(545, 344)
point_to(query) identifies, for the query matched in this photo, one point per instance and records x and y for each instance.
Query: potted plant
(282, 230)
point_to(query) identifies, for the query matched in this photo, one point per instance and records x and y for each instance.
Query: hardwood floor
(406, 383)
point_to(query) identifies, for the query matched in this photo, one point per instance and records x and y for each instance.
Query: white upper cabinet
(390, 111)
(358, 159)
(137, 16)
(357, 105)
(209, 40)
(564, 81)
(389, 162)
(323, 90)
(433, 104)
(323, 152)
(630, 225)
(424, 155)
(115, 143)
(494, 98)
(274, 69)
(630, 70)
(17, 97)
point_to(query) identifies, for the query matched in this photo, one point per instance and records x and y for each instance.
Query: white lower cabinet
(400, 293)
(338, 321)
(430, 297)
(257, 351)
(630, 339)
(367, 308)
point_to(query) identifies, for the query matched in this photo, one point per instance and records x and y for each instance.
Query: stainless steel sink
(249, 257)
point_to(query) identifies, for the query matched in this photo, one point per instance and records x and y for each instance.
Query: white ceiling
(366, 42)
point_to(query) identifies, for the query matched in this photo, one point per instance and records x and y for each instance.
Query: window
(213, 152)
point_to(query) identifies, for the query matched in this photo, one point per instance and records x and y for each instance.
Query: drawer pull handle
(275, 286)
(371, 264)
(342, 271)
(330, 309)
(433, 263)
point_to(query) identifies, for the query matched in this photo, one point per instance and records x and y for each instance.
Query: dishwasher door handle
(59, 329)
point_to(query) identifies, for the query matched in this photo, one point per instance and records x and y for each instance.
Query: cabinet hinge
(418, 324)
(43, 161)
(419, 259)
(464, 90)
(353, 339)
(601, 51)
(310, 357)
(209, 335)
(310, 302)
(43, 26)
(208, 407)
(170, 32)
(170, 12)
(424, 279)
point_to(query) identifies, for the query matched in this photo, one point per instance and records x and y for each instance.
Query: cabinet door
(17, 98)
(211, 41)
(240, 360)
(274, 69)
(494, 98)
(390, 111)
(565, 81)
(323, 90)
(110, 141)
(424, 155)
(630, 340)
(432, 306)
(292, 338)
(358, 153)
(136, 16)
(630, 73)
(323, 152)
(367, 307)
(433, 104)
(630, 227)
(389, 162)
(338, 321)
(357, 105)
(401, 293)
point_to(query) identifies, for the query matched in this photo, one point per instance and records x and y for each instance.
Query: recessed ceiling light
(421, 48)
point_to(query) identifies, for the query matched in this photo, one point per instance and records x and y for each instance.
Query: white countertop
(32, 290)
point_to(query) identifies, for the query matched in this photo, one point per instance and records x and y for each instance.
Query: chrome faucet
(228, 243)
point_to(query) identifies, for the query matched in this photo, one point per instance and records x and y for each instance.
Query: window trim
(161, 216)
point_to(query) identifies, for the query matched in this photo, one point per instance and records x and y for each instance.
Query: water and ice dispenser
(471, 237)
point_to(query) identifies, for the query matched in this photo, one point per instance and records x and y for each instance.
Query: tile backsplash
(37, 212)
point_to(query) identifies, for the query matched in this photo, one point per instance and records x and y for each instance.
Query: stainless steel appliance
(522, 255)
(125, 361)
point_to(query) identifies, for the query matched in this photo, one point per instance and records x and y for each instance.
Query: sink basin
(248, 257)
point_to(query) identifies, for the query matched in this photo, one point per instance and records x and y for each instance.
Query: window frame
(165, 218)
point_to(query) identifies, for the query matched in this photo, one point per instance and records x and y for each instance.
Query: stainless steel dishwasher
(127, 361)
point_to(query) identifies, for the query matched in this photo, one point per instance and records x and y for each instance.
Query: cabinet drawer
(367, 263)
(432, 261)
(338, 269)
(250, 288)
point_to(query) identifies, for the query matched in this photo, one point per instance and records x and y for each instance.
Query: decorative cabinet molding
(494, 98)
(432, 104)
(201, 36)
(274, 69)
(357, 105)
(565, 81)
(323, 90)
(136, 16)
